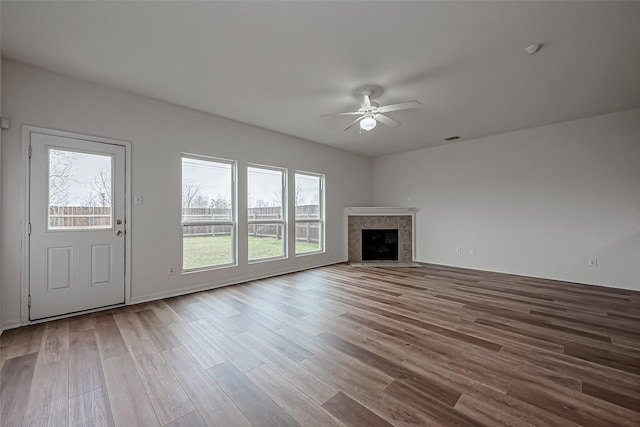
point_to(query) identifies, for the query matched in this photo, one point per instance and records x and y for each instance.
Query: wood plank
(201, 349)
(352, 413)
(49, 398)
(165, 393)
(110, 342)
(192, 419)
(487, 414)
(162, 337)
(210, 401)
(231, 350)
(435, 409)
(314, 387)
(85, 366)
(91, 408)
(15, 386)
(432, 388)
(301, 408)
(579, 408)
(56, 342)
(285, 346)
(130, 404)
(256, 406)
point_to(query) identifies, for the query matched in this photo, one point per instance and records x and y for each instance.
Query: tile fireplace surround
(358, 218)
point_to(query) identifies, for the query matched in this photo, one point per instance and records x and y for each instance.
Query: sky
(85, 168)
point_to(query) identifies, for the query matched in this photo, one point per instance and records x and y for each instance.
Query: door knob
(119, 233)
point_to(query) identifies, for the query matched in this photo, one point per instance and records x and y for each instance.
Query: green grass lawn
(201, 251)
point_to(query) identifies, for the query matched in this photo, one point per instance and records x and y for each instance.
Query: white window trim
(321, 220)
(282, 222)
(234, 218)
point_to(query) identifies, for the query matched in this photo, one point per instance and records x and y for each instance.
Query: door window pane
(80, 190)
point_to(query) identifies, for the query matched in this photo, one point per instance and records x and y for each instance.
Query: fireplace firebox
(379, 245)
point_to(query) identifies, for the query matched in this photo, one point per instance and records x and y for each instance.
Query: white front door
(77, 225)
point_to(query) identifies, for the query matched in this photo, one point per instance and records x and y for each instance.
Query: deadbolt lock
(118, 221)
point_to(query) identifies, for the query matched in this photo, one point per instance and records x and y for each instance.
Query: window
(309, 213)
(208, 213)
(79, 190)
(266, 212)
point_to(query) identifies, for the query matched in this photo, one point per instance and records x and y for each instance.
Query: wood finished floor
(338, 346)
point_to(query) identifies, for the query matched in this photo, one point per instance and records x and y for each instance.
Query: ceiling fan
(371, 112)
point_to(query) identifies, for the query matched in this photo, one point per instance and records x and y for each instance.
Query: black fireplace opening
(379, 245)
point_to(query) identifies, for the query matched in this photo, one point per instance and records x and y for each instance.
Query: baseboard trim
(11, 324)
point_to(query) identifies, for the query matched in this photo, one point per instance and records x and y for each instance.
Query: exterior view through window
(208, 213)
(309, 213)
(266, 204)
(79, 190)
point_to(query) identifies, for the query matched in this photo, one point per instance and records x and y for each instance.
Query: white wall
(159, 133)
(537, 202)
(0, 183)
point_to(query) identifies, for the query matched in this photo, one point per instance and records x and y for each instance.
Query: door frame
(27, 130)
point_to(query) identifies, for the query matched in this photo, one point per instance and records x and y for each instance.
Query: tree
(60, 176)
(100, 189)
(277, 199)
(192, 196)
(220, 203)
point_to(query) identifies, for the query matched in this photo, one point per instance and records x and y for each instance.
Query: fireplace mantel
(380, 217)
(378, 211)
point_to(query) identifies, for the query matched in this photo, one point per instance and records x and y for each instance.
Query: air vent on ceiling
(451, 138)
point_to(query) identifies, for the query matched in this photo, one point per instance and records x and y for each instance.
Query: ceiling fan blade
(353, 123)
(399, 106)
(386, 120)
(341, 114)
(365, 101)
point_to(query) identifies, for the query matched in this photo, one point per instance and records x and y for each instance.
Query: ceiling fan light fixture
(368, 123)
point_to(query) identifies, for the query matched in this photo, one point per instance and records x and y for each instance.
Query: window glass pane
(208, 196)
(207, 189)
(308, 235)
(307, 196)
(265, 203)
(206, 245)
(79, 190)
(265, 241)
(265, 193)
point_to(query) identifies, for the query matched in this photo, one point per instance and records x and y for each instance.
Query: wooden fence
(305, 232)
(79, 217)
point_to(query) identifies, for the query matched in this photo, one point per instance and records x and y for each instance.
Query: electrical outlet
(171, 270)
(592, 262)
(409, 198)
(472, 251)
(458, 251)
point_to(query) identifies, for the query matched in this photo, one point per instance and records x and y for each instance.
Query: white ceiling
(279, 65)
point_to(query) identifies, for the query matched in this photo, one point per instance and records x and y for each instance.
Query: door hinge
(29, 229)
(29, 301)
(30, 151)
